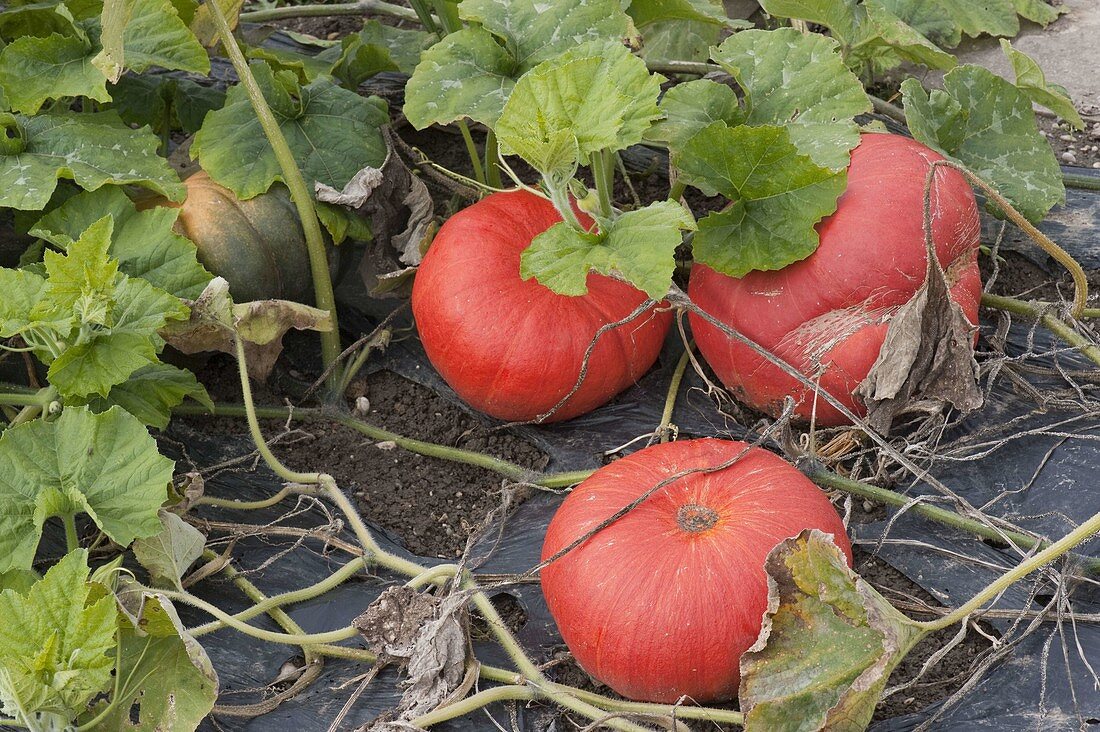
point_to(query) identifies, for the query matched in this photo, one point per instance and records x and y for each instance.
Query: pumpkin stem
(693, 518)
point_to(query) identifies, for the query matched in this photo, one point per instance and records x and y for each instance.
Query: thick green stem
(603, 173)
(72, 539)
(44, 397)
(299, 192)
(236, 505)
(471, 150)
(254, 426)
(673, 390)
(294, 639)
(1055, 325)
(40, 398)
(492, 161)
(473, 703)
(698, 68)
(363, 7)
(559, 196)
(828, 479)
(268, 604)
(1081, 534)
(447, 12)
(677, 190)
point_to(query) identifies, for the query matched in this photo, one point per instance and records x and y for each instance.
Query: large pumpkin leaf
(598, 96)
(828, 643)
(798, 80)
(105, 465)
(639, 245)
(143, 242)
(168, 676)
(170, 552)
(777, 193)
(691, 106)
(334, 133)
(92, 150)
(34, 70)
(55, 642)
(471, 73)
(150, 393)
(94, 325)
(153, 34)
(930, 18)
(987, 124)
(680, 30)
(1032, 82)
(870, 33)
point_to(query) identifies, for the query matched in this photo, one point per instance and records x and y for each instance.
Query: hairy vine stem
(299, 192)
(363, 7)
(1042, 313)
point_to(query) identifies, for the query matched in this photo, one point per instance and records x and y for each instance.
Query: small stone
(1096, 165)
(868, 506)
(386, 445)
(1066, 138)
(1069, 157)
(362, 406)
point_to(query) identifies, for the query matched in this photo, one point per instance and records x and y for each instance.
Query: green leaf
(55, 641)
(839, 16)
(987, 124)
(151, 392)
(691, 106)
(403, 45)
(105, 322)
(1038, 11)
(92, 150)
(143, 242)
(22, 290)
(1032, 82)
(599, 95)
(680, 30)
(192, 102)
(639, 245)
(334, 133)
(169, 553)
(155, 35)
(37, 19)
(142, 100)
(799, 81)
(883, 31)
(471, 73)
(992, 17)
(168, 675)
(930, 18)
(827, 646)
(105, 465)
(34, 70)
(19, 580)
(778, 196)
(679, 40)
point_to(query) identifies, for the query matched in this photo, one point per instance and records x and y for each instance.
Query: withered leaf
(401, 212)
(216, 322)
(827, 646)
(429, 633)
(927, 359)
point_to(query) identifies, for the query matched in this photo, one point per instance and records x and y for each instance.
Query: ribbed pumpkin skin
(513, 348)
(657, 612)
(257, 245)
(834, 307)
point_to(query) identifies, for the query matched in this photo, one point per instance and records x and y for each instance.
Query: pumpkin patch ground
(519, 365)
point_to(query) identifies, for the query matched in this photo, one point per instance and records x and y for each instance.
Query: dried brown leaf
(927, 359)
(216, 322)
(402, 217)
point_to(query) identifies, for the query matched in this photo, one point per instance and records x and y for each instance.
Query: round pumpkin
(827, 315)
(513, 348)
(662, 603)
(257, 245)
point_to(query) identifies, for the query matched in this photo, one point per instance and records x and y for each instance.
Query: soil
(432, 505)
(1077, 148)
